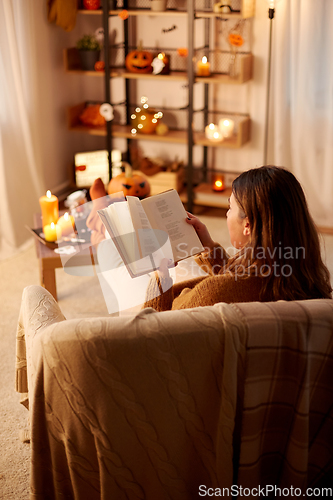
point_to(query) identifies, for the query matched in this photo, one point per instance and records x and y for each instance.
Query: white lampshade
(272, 3)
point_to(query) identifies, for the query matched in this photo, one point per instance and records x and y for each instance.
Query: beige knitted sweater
(162, 295)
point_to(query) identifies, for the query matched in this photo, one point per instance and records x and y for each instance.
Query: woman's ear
(246, 227)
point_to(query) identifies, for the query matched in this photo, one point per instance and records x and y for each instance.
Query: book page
(117, 220)
(166, 212)
(151, 242)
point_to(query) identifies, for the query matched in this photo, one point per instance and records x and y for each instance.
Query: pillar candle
(50, 208)
(66, 224)
(203, 67)
(116, 162)
(213, 133)
(226, 126)
(52, 232)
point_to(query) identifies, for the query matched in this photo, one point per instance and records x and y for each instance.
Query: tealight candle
(226, 127)
(66, 224)
(50, 208)
(218, 183)
(203, 67)
(213, 133)
(51, 232)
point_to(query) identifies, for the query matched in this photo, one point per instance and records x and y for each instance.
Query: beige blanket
(154, 405)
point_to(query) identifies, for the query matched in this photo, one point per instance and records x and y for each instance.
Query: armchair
(157, 405)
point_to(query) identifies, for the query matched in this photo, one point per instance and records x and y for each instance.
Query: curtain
(302, 99)
(20, 167)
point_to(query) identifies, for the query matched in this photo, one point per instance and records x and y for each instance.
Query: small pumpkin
(99, 66)
(139, 61)
(91, 116)
(235, 39)
(91, 4)
(145, 120)
(182, 51)
(123, 14)
(131, 183)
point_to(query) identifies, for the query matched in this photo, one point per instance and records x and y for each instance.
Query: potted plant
(89, 51)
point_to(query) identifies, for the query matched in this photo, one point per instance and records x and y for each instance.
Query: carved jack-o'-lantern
(139, 61)
(131, 183)
(145, 119)
(235, 39)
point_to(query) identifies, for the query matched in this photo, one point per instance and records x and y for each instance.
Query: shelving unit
(176, 136)
(192, 135)
(72, 65)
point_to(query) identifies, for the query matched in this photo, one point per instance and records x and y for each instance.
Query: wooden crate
(162, 181)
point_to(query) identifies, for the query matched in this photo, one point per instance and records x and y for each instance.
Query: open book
(146, 231)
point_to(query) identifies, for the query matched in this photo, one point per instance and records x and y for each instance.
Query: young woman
(279, 251)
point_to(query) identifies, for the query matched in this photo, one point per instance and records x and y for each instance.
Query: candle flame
(216, 135)
(66, 216)
(161, 55)
(48, 194)
(211, 126)
(226, 123)
(52, 225)
(218, 184)
(204, 59)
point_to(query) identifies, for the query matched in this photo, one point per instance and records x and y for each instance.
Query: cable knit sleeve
(214, 260)
(161, 293)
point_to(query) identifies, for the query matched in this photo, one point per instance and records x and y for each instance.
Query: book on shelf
(146, 231)
(204, 194)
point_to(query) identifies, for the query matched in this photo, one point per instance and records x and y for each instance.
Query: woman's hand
(163, 269)
(201, 231)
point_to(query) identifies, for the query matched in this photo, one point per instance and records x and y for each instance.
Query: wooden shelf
(136, 12)
(72, 65)
(84, 12)
(174, 136)
(206, 197)
(246, 12)
(149, 12)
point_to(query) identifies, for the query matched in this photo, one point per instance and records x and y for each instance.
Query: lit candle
(218, 183)
(203, 67)
(116, 162)
(50, 208)
(66, 224)
(52, 232)
(226, 127)
(213, 133)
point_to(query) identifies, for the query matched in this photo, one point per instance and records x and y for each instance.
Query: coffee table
(49, 261)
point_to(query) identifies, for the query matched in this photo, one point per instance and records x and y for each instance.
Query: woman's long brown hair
(284, 244)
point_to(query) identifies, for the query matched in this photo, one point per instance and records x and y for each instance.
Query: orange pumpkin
(182, 51)
(145, 120)
(139, 61)
(91, 116)
(235, 39)
(99, 66)
(123, 14)
(131, 183)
